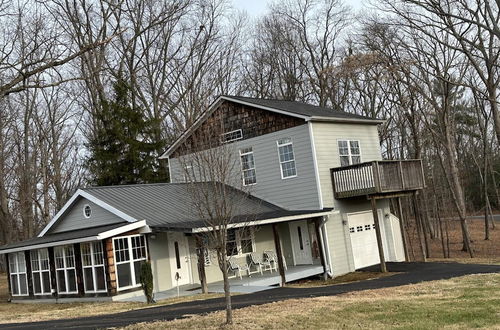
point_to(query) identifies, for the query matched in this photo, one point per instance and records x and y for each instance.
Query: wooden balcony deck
(378, 177)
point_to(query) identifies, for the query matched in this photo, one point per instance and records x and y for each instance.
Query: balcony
(378, 178)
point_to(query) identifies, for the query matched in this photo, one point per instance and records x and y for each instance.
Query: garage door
(363, 239)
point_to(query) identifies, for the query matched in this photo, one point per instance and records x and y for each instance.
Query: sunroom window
(239, 242)
(40, 270)
(94, 278)
(130, 253)
(65, 269)
(17, 271)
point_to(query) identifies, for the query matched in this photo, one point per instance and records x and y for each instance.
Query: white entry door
(179, 258)
(301, 245)
(363, 239)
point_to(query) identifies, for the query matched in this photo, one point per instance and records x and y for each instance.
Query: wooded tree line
(430, 68)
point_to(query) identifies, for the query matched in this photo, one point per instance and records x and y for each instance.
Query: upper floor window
(287, 158)
(349, 152)
(232, 136)
(248, 166)
(17, 272)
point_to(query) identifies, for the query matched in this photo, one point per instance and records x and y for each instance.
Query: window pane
(21, 260)
(100, 278)
(356, 159)
(231, 248)
(44, 259)
(137, 270)
(34, 260)
(14, 285)
(61, 282)
(246, 246)
(23, 288)
(124, 275)
(88, 279)
(71, 280)
(37, 285)
(344, 160)
(46, 282)
(98, 254)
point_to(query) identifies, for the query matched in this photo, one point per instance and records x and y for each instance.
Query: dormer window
(87, 211)
(232, 136)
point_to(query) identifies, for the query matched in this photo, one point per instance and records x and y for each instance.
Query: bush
(146, 278)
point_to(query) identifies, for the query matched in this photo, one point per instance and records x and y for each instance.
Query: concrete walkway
(410, 273)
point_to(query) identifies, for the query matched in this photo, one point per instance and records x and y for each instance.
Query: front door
(179, 258)
(301, 245)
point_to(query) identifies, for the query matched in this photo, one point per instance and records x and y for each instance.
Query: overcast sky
(256, 8)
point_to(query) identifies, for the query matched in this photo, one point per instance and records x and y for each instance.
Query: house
(319, 202)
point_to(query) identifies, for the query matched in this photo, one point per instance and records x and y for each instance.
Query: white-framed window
(248, 172)
(287, 158)
(130, 253)
(87, 211)
(240, 242)
(17, 273)
(40, 270)
(232, 136)
(65, 269)
(94, 275)
(349, 152)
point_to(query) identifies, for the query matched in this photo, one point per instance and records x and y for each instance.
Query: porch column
(279, 253)
(52, 267)
(402, 225)
(29, 274)
(319, 237)
(200, 251)
(383, 267)
(7, 267)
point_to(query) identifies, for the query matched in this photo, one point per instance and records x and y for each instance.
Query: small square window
(359, 228)
(352, 230)
(368, 227)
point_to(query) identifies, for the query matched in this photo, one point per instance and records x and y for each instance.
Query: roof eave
(348, 120)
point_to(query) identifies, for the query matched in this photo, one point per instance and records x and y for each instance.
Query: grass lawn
(467, 302)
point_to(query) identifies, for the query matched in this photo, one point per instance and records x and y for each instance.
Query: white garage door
(363, 239)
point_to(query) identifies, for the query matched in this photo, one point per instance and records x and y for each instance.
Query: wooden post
(418, 223)
(402, 227)
(29, 274)
(79, 269)
(319, 238)
(279, 253)
(383, 267)
(200, 251)
(52, 266)
(7, 267)
(109, 262)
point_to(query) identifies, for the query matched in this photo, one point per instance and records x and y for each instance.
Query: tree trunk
(227, 287)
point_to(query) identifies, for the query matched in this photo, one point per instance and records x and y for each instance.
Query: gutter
(324, 244)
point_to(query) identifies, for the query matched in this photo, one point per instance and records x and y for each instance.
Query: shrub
(146, 278)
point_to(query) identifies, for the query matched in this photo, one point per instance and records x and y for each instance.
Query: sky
(256, 8)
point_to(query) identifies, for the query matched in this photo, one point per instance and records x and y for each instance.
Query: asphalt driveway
(410, 273)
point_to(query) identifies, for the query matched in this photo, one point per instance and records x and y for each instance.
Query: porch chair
(259, 262)
(236, 267)
(272, 258)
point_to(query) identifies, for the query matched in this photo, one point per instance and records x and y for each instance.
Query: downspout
(326, 252)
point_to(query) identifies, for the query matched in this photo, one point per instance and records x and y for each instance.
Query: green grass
(467, 302)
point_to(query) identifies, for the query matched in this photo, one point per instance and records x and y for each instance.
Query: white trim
(84, 209)
(105, 234)
(315, 163)
(39, 272)
(288, 161)
(130, 261)
(268, 221)
(327, 245)
(231, 132)
(348, 120)
(95, 200)
(350, 155)
(65, 269)
(243, 170)
(93, 267)
(17, 273)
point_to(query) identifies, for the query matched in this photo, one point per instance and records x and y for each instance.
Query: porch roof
(74, 236)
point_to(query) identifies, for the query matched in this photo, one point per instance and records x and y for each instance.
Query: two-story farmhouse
(318, 204)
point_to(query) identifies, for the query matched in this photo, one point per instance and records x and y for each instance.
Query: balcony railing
(377, 177)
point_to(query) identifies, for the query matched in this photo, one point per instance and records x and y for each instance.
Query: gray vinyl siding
(74, 218)
(294, 193)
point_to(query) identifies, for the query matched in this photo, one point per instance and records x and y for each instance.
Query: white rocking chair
(237, 268)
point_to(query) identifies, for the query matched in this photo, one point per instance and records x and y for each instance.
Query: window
(232, 136)
(94, 278)
(87, 211)
(40, 270)
(239, 242)
(130, 253)
(248, 166)
(65, 269)
(287, 158)
(17, 270)
(349, 152)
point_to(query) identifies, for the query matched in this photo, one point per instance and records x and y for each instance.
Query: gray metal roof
(301, 108)
(59, 237)
(170, 205)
